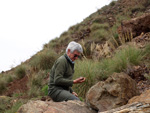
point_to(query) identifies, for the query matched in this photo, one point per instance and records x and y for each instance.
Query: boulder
(131, 108)
(112, 93)
(55, 107)
(137, 104)
(143, 98)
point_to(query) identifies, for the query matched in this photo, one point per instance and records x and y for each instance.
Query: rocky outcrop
(131, 108)
(55, 107)
(137, 104)
(113, 93)
(135, 25)
(143, 98)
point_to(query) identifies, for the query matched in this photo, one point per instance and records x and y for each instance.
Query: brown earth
(17, 86)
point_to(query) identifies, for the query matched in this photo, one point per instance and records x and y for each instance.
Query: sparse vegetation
(15, 107)
(112, 3)
(20, 72)
(2, 86)
(5, 79)
(100, 35)
(97, 26)
(147, 50)
(121, 18)
(36, 83)
(4, 103)
(137, 8)
(44, 60)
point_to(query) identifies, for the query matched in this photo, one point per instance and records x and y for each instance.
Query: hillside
(112, 42)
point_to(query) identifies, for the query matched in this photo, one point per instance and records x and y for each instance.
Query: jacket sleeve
(59, 72)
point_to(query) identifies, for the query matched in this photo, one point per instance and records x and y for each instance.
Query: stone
(55, 107)
(131, 108)
(143, 98)
(137, 104)
(112, 93)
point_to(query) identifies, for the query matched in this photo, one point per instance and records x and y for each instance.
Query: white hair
(74, 46)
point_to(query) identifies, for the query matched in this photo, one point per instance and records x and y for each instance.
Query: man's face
(73, 56)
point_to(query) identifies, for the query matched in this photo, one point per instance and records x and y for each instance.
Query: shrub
(101, 19)
(36, 83)
(15, 107)
(34, 92)
(4, 103)
(10, 77)
(147, 50)
(100, 34)
(112, 3)
(138, 8)
(96, 26)
(20, 72)
(37, 79)
(3, 85)
(120, 18)
(88, 69)
(5, 79)
(52, 44)
(43, 60)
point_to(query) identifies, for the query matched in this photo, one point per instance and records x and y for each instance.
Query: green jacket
(61, 75)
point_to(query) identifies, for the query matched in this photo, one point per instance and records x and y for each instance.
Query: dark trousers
(63, 95)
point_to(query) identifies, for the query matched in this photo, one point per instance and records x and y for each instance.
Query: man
(62, 73)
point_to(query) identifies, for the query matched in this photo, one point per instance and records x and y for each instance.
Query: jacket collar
(66, 56)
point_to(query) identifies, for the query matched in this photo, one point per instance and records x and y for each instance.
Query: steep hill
(107, 43)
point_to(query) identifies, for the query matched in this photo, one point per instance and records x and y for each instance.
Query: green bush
(20, 72)
(88, 69)
(43, 60)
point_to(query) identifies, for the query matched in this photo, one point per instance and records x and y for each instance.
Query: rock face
(136, 25)
(54, 107)
(131, 108)
(137, 104)
(113, 93)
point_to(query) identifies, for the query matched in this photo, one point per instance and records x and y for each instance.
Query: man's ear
(68, 51)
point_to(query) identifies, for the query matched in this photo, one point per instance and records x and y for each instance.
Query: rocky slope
(133, 19)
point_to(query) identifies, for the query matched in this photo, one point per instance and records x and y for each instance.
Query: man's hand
(79, 80)
(75, 94)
